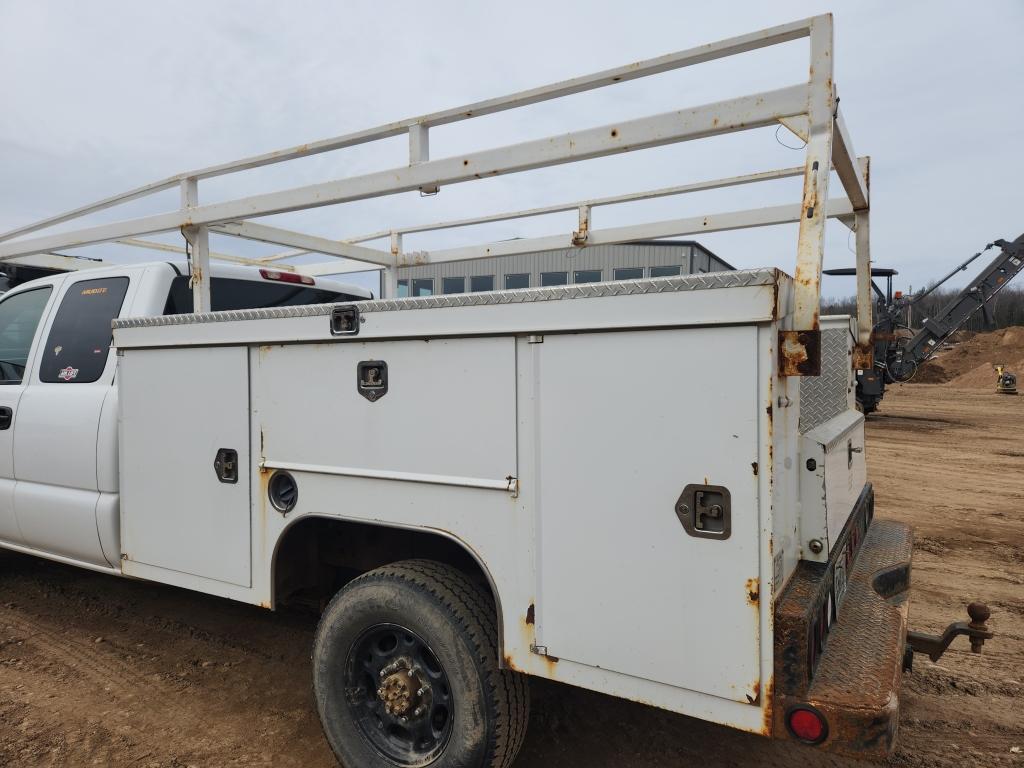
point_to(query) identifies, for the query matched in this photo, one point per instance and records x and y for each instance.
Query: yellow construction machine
(1006, 382)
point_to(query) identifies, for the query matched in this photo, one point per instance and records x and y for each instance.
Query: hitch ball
(979, 613)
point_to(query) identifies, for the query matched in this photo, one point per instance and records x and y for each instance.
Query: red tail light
(807, 724)
(287, 277)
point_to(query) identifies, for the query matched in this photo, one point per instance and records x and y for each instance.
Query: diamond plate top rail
(699, 282)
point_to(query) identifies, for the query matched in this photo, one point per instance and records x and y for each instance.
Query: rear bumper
(841, 651)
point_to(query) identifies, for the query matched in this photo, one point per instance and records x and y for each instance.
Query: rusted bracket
(579, 237)
(936, 645)
(800, 353)
(863, 357)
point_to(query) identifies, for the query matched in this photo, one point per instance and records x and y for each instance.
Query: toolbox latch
(345, 321)
(372, 379)
(705, 511)
(225, 464)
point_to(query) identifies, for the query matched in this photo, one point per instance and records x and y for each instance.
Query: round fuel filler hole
(283, 492)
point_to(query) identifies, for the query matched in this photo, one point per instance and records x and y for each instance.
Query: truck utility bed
(554, 431)
(524, 422)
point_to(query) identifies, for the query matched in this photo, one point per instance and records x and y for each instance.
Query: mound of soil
(970, 363)
(932, 372)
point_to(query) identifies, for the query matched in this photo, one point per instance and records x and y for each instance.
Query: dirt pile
(969, 363)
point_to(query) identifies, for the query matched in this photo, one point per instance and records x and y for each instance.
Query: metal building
(626, 261)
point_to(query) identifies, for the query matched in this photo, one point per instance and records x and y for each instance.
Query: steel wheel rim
(398, 695)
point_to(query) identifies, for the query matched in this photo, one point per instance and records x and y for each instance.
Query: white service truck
(651, 488)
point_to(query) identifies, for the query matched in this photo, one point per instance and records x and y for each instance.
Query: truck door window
(19, 318)
(76, 350)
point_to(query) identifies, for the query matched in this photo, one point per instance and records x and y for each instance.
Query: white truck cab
(59, 493)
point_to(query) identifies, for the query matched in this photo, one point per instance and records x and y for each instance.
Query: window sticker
(93, 291)
(67, 374)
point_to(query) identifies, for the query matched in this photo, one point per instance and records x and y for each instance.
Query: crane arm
(973, 298)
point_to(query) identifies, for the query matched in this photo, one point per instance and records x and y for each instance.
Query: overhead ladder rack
(809, 109)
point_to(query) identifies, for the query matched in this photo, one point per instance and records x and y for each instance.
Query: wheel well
(317, 556)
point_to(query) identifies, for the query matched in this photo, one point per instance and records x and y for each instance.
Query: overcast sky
(102, 96)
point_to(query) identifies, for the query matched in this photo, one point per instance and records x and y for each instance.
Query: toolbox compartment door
(447, 414)
(833, 475)
(625, 422)
(179, 409)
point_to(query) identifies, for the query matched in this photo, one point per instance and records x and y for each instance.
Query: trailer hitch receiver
(936, 645)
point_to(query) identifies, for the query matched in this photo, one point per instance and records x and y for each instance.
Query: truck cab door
(57, 494)
(20, 321)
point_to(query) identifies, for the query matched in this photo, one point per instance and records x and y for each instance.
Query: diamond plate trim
(704, 281)
(861, 664)
(825, 396)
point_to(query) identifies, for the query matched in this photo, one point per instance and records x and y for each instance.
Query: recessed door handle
(225, 464)
(6, 417)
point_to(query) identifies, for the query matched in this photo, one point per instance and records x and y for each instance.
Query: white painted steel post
(811, 239)
(419, 152)
(199, 241)
(579, 237)
(865, 303)
(389, 275)
(863, 352)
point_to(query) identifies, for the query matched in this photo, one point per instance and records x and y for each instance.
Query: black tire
(435, 611)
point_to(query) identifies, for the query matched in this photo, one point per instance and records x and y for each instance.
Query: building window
(587, 276)
(548, 279)
(517, 281)
(479, 283)
(423, 286)
(629, 273)
(403, 288)
(453, 285)
(665, 271)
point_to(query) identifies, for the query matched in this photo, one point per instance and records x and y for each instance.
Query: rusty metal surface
(703, 281)
(802, 599)
(934, 646)
(799, 353)
(863, 356)
(856, 681)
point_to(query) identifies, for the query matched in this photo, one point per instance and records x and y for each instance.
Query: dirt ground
(102, 671)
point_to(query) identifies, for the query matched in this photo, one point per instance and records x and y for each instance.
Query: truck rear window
(76, 350)
(229, 293)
